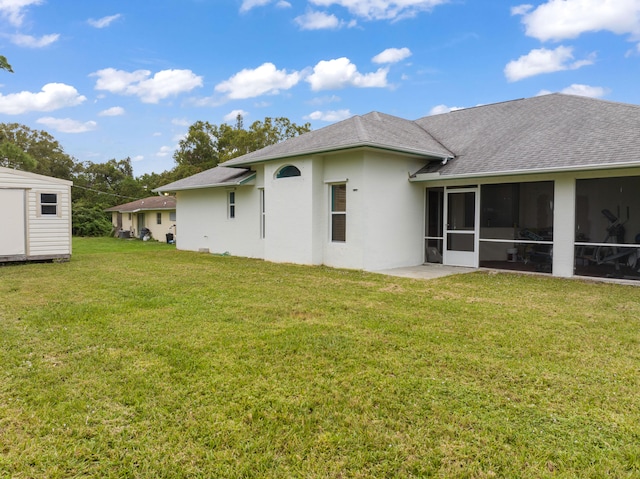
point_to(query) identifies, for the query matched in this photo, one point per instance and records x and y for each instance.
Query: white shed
(36, 215)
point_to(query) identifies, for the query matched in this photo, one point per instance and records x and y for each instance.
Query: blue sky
(123, 78)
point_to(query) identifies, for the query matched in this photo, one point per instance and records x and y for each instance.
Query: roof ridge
(360, 129)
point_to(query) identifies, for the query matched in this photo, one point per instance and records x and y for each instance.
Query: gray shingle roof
(146, 204)
(213, 177)
(551, 132)
(542, 133)
(374, 129)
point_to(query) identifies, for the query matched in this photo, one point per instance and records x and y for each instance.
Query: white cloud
(562, 19)
(232, 115)
(163, 84)
(14, 10)
(113, 111)
(329, 116)
(324, 100)
(137, 158)
(165, 151)
(265, 79)
(30, 41)
(580, 90)
(439, 109)
(249, 4)
(521, 9)
(67, 125)
(382, 9)
(341, 73)
(585, 90)
(318, 21)
(392, 55)
(53, 96)
(541, 61)
(104, 21)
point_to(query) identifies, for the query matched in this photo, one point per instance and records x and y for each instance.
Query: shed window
(288, 171)
(159, 218)
(48, 204)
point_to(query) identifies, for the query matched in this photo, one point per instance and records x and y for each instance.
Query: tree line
(97, 186)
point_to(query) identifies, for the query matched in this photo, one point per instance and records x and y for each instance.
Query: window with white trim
(231, 204)
(48, 204)
(288, 171)
(339, 212)
(262, 214)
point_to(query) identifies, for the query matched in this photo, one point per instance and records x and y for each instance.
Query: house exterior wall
(384, 213)
(45, 236)
(290, 212)
(203, 222)
(393, 213)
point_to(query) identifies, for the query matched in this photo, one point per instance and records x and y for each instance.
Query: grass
(137, 360)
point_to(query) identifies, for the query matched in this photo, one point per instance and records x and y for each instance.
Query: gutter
(490, 174)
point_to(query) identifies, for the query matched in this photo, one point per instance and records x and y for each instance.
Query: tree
(4, 64)
(107, 184)
(12, 156)
(50, 158)
(206, 145)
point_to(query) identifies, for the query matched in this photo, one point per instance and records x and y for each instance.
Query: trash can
(169, 237)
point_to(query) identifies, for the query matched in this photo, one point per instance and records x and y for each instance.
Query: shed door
(12, 212)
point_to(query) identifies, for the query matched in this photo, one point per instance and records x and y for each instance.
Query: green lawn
(137, 360)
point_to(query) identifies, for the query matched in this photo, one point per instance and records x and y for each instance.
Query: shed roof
(155, 203)
(20, 174)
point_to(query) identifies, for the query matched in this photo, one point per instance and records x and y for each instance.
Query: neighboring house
(156, 214)
(549, 183)
(36, 217)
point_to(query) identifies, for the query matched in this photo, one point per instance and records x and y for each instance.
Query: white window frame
(262, 214)
(333, 212)
(231, 204)
(42, 204)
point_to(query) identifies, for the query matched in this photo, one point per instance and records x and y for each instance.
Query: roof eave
(321, 151)
(242, 182)
(538, 171)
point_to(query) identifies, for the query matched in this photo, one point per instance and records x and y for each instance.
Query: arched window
(288, 171)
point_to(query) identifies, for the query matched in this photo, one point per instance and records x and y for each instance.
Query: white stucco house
(550, 183)
(36, 217)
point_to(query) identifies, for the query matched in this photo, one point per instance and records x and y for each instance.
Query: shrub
(91, 221)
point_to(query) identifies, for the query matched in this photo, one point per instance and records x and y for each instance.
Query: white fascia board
(247, 182)
(561, 169)
(321, 151)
